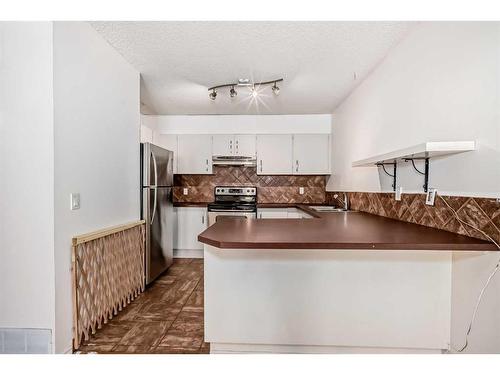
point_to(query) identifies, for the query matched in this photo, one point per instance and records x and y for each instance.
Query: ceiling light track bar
(274, 81)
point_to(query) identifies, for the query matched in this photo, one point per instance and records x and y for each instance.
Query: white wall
(441, 83)
(242, 124)
(96, 101)
(26, 176)
(470, 272)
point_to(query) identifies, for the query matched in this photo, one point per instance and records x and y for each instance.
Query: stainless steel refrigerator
(157, 208)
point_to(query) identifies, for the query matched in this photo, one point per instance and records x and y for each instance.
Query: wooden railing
(108, 273)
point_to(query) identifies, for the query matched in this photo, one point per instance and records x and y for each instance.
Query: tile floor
(167, 318)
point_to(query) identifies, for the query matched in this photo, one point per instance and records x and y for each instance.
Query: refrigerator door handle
(155, 187)
(155, 168)
(154, 206)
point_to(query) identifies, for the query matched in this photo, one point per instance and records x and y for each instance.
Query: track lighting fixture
(276, 89)
(245, 82)
(232, 92)
(213, 94)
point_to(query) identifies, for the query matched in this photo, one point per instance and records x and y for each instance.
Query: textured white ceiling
(319, 61)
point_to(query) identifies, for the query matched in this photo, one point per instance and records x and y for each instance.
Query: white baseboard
(223, 348)
(188, 253)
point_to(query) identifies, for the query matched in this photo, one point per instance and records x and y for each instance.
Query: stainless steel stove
(233, 201)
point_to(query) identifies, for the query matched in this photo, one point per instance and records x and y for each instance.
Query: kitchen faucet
(346, 202)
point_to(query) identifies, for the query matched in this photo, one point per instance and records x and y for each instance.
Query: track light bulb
(276, 89)
(232, 92)
(213, 94)
(254, 92)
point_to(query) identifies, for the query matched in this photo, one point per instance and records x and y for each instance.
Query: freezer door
(159, 215)
(157, 165)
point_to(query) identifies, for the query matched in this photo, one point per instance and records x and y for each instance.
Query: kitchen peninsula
(336, 283)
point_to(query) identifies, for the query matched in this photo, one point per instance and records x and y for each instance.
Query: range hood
(246, 161)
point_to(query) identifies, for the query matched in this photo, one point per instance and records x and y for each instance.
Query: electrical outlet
(399, 191)
(185, 191)
(301, 190)
(74, 201)
(431, 197)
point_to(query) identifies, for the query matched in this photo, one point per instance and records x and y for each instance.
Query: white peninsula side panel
(327, 301)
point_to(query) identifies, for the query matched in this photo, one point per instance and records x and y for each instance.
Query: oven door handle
(243, 212)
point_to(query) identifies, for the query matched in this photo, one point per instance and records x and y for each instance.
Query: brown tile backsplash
(483, 213)
(270, 189)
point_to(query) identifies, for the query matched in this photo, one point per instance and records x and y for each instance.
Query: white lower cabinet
(191, 221)
(282, 213)
(272, 213)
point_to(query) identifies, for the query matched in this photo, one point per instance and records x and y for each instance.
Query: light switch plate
(301, 190)
(185, 191)
(399, 191)
(74, 201)
(431, 197)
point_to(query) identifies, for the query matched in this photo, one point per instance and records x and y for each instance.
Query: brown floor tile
(179, 341)
(145, 334)
(166, 280)
(129, 312)
(182, 261)
(132, 349)
(186, 329)
(170, 350)
(190, 316)
(111, 333)
(167, 318)
(195, 300)
(189, 273)
(180, 293)
(158, 311)
(95, 348)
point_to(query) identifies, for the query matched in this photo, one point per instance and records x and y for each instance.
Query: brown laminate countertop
(335, 230)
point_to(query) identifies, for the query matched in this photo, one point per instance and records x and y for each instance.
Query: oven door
(212, 215)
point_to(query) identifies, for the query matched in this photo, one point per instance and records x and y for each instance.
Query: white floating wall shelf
(423, 151)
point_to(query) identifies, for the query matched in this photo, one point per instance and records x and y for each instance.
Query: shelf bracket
(393, 175)
(425, 173)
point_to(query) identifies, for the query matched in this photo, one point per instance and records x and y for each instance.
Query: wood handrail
(82, 238)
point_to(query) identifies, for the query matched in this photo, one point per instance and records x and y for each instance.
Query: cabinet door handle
(296, 165)
(260, 165)
(206, 161)
(203, 219)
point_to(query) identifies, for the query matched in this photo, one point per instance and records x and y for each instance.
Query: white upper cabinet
(169, 142)
(223, 145)
(245, 144)
(311, 154)
(274, 154)
(194, 154)
(146, 134)
(234, 145)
